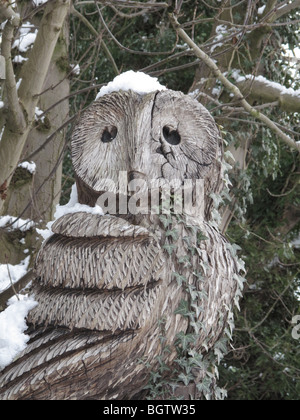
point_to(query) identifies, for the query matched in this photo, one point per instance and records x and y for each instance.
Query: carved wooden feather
(103, 283)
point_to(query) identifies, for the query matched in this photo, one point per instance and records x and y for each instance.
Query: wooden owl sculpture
(104, 283)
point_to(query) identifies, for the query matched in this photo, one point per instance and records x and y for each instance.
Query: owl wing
(219, 270)
(97, 281)
(87, 225)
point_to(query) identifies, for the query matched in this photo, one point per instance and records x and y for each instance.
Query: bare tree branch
(260, 87)
(127, 4)
(278, 11)
(231, 87)
(7, 13)
(16, 288)
(93, 31)
(128, 49)
(126, 15)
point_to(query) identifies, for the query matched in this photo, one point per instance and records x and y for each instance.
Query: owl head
(159, 138)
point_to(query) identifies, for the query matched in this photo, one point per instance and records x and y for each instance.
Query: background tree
(240, 59)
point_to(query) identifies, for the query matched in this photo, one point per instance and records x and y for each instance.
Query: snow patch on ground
(136, 81)
(12, 328)
(296, 243)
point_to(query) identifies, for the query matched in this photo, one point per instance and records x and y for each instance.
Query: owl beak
(137, 183)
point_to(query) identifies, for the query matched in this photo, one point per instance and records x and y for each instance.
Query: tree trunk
(21, 104)
(35, 196)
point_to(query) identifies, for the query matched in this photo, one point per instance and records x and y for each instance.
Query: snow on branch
(232, 88)
(285, 9)
(268, 91)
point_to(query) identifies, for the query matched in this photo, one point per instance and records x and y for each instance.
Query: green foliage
(265, 363)
(191, 366)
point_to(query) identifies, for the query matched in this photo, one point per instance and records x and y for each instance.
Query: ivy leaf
(202, 295)
(186, 379)
(173, 233)
(169, 248)
(219, 354)
(233, 248)
(187, 240)
(180, 279)
(197, 360)
(220, 349)
(185, 260)
(198, 275)
(165, 221)
(201, 237)
(155, 376)
(204, 386)
(222, 345)
(184, 340)
(198, 309)
(183, 309)
(162, 366)
(240, 280)
(221, 394)
(198, 326)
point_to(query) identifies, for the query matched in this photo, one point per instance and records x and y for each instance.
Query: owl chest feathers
(102, 273)
(98, 273)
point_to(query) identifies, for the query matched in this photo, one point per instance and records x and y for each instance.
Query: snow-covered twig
(17, 287)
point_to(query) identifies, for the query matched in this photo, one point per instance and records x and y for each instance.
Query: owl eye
(171, 136)
(109, 134)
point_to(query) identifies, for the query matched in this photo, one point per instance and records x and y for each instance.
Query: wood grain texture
(87, 343)
(83, 225)
(140, 145)
(104, 283)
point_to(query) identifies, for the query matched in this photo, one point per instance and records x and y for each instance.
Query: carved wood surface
(103, 283)
(79, 332)
(141, 142)
(84, 225)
